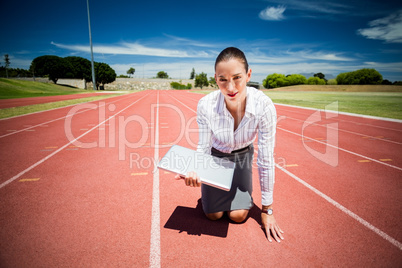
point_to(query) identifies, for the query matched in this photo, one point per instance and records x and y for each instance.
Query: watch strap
(268, 211)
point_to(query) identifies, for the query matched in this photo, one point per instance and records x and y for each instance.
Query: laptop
(214, 171)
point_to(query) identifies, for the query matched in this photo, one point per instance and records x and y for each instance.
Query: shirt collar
(220, 108)
(250, 103)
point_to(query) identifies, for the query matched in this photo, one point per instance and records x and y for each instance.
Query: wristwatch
(269, 211)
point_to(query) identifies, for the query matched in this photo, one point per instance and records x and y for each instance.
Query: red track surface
(62, 204)
(8, 103)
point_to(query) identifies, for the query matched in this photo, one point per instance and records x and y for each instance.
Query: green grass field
(12, 89)
(363, 100)
(382, 104)
(15, 111)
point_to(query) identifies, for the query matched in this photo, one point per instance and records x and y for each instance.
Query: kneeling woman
(229, 120)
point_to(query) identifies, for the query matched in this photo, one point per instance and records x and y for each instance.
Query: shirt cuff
(267, 198)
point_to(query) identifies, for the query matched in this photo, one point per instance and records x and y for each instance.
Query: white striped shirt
(216, 129)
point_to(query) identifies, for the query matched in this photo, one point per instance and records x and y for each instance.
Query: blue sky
(285, 37)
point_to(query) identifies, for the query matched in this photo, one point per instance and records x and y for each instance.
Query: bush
(275, 80)
(386, 82)
(296, 79)
(177, 85)
(360, 77)
(332, 82)
(280, 80)
(315, 81)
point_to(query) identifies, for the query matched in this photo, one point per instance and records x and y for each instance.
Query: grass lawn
(15, 111)
(382, 104)
(12, 89)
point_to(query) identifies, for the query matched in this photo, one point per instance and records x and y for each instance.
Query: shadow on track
(194, 222)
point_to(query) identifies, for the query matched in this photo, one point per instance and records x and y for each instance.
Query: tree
(360, 77)
(192, 75)
(315, 81)
(6, 63)
(386, 82)
(81, 68)
(52, 66)
(296, 79)
(201, 80)
(321, 76)
(14, 72)
(332, 82)
(212, 82)
(275, 80)
(131, 71)
(104, 74)
(162, 74)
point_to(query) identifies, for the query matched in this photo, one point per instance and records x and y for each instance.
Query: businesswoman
(229, 120)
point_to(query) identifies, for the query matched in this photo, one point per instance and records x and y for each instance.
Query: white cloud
(314, 8)
(135, 49)
(319, 55)
(384, 67)
(388, 29)
(273, 13)
(189, 42)
(282, 57)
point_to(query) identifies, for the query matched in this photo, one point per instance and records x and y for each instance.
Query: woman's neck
(237, 110)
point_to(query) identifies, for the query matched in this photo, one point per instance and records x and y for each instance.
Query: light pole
(92, 52)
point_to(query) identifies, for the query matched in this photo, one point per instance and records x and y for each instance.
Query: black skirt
(240, 194)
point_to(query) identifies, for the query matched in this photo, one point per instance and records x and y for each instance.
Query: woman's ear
(249, 75)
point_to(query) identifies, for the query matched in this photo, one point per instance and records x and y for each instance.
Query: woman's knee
(214, 216)
(238, 215)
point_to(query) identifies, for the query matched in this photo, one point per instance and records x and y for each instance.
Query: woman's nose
(231, 85)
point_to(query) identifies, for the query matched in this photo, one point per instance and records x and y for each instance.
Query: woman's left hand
(271, 227)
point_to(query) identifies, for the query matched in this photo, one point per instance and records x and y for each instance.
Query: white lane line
(183, 104)
(155, 248)
(343, 130)
(349, 114)
(341, 149)
(336, 204)
(64, 146)
(60, 118)
(382, 234)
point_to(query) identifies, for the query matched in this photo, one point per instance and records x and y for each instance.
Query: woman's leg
(238, 215)
(214, 216)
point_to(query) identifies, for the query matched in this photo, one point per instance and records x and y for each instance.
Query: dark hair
(232, 53)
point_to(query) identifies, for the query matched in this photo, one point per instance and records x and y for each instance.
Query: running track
(9, 103)
(337, 192)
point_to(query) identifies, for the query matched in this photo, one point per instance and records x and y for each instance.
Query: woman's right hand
(191, 179)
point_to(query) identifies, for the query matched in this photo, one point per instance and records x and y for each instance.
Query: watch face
(269, 212)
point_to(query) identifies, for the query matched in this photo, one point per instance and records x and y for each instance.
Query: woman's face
(232, 79)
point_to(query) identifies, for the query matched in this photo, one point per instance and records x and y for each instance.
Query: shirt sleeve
(265, 159)
(204, 129)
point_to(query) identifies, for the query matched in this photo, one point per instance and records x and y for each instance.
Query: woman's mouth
(232, 95)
